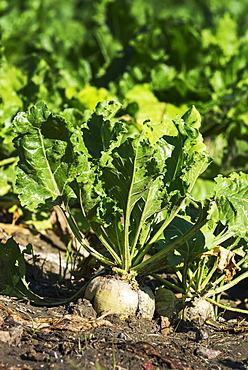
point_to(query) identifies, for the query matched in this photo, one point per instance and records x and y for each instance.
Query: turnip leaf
(188, 251)
(12, 271)
(230, 205)
(46, 154)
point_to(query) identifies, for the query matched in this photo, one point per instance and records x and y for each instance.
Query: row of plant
(156, 60)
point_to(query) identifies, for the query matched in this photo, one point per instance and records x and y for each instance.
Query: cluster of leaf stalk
(134, 191)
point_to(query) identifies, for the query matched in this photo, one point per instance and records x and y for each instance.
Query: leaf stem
(223, 238)
(139, 228)
(127, 253)
(226, 307)
(227, 286)
(79, 238)
(153, 263)
(154, 238)
(167, 222)
(205, 281)
(168, 283)
(143, 250)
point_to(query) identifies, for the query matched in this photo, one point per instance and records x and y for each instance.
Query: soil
(71, 336)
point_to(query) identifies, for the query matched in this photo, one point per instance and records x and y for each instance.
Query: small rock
(221, 319)
(121, 336)
(12, 336)
(201, 335)
(166, 326)
(207, 352)
(147, 365)
(13, 352)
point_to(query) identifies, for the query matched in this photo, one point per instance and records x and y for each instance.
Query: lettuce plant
(133, 189)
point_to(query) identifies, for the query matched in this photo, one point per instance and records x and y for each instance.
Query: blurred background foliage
(156, 57)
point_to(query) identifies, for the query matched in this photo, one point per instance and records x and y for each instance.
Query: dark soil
(72, 337)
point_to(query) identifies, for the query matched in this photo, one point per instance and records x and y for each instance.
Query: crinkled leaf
(230, 204)
(189, 158)
(131, 171)
(192, 117)
(46, 157)
(134, 181)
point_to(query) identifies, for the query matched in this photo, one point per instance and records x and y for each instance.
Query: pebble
(207, 352)
(201, 335)
(13, 352)
(147, 365)
(121, 336)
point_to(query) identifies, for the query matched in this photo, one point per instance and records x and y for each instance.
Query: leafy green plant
(134, 189)
(211, 273)
(128, 187)
(13, 271)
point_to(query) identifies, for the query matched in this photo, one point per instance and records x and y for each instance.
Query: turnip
(117, 296)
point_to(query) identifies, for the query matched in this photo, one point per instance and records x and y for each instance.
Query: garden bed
(72, 337)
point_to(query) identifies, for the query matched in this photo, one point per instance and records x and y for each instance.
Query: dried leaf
(226, 261)
(11, 229)
(67, 322)
(166, 327)
(77, 323)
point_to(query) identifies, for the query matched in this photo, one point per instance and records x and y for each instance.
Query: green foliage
(231, 203)
(192, 248)
(38, 143)
(130, 187)
(206, 264)
(157, 60)
(12, 271)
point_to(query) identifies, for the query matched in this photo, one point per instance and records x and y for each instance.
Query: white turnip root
(120, 297)
(197, 309)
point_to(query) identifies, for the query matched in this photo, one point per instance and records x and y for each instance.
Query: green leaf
(192, 118)
(117, 181)
(230, 204)
(188, 251)
(12, 271)
(129, 179)
(189, 158)
(146, 182)
(203, 189)
(46, 157)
